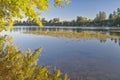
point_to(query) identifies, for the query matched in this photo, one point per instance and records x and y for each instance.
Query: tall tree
(111, 17)
(114, 14)
(100, 16)
(118, 12)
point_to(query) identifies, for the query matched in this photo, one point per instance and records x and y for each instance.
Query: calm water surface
(83, 58)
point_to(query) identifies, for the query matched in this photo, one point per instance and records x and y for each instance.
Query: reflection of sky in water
(81, 59)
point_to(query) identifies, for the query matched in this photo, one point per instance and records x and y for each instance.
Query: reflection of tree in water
(85, 34)
(117, 41)
(115, 33)
(16, 65)
(101, 35)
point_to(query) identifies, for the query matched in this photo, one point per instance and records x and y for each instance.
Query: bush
(16, 65)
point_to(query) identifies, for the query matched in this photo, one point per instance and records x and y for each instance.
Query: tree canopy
(12, 9)
(100, 16)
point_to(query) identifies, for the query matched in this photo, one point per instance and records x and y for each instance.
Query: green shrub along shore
(16, 65)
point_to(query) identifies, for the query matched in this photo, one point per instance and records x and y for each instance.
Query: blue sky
(87, 8)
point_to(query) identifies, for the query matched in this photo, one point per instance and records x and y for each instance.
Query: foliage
(56, 20)
(115, 17)
(10, 10)
(16, 65)
(100, 16)
(81, 19)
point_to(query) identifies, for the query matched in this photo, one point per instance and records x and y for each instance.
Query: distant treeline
(101, 19)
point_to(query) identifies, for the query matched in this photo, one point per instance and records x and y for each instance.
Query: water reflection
(82, 34)
(84, 54)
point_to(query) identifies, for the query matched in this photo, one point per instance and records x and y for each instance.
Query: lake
(84, 53)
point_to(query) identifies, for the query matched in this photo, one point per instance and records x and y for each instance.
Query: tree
(114, 14)
(81, 19)
(11, 9)
(111, 17)
(73, 22)
(115, 18)
(56, 20)
(44, 20)
(118, 12)
(100, 16)
(117, 21)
